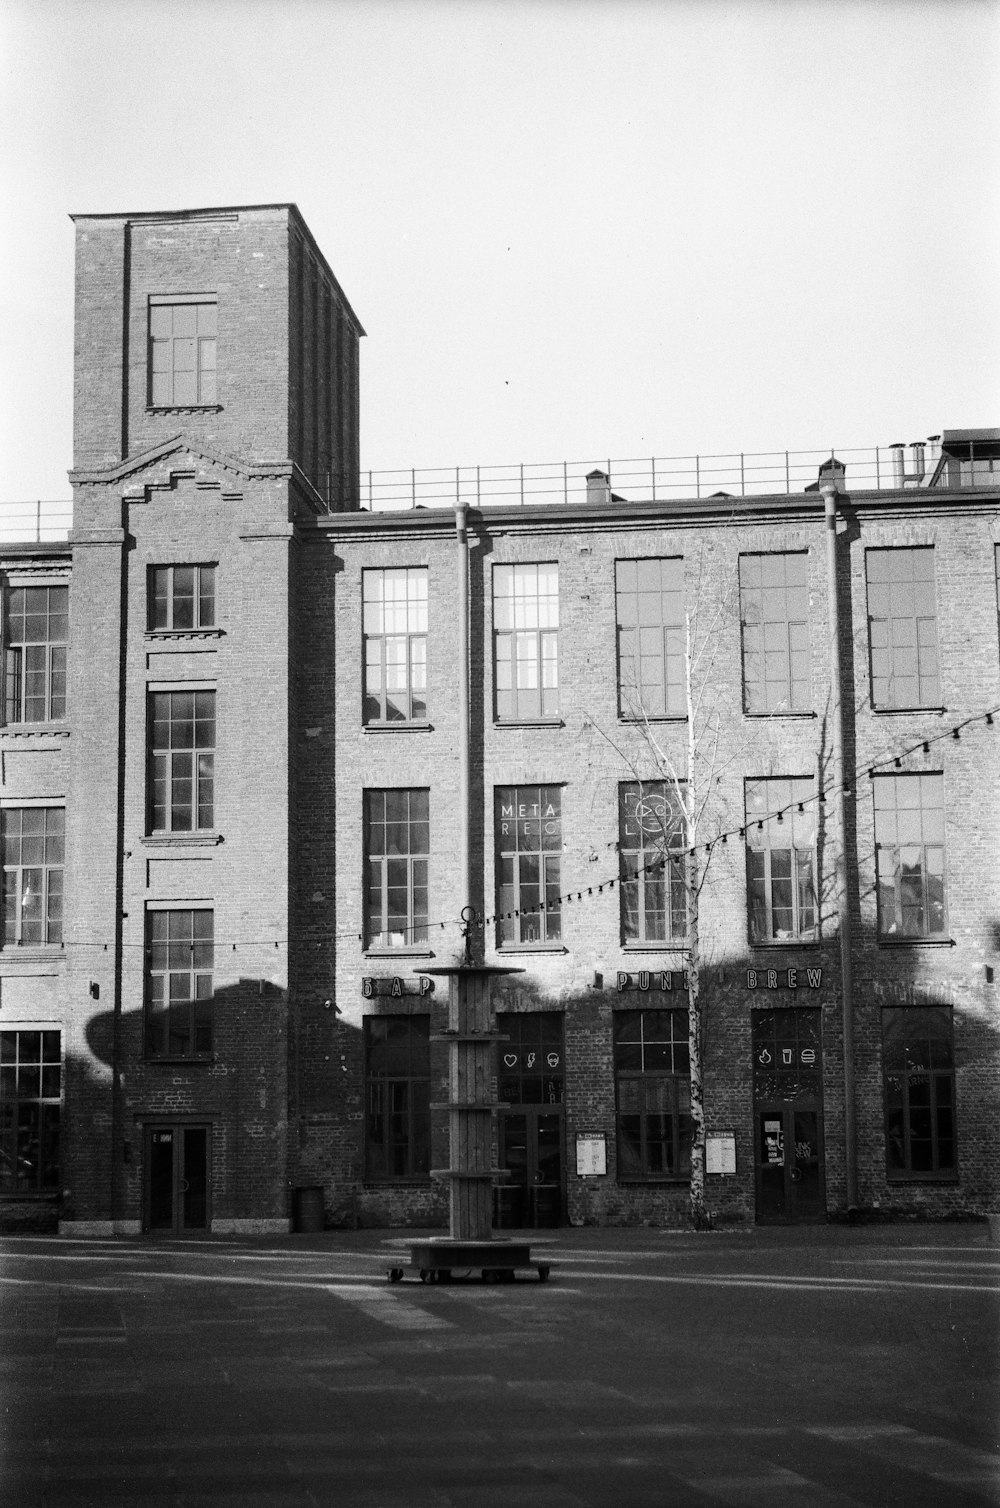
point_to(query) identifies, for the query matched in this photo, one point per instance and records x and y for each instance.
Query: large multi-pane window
(909, 855)
(182, 597)
(919, 1068)
(397, 1097)
(649, 597)
(30, 1098)
(651, 830)
(526, 640)
(35, 634)
(902, 628)
(653, 1084)
(774, 614)
(781, 860)
(33, 843)
(182, 334)
(397, 845)
(182, 761)
(528, 831)
(395, 632)
(180, 959)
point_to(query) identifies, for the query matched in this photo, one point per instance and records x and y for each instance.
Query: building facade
(271, 755)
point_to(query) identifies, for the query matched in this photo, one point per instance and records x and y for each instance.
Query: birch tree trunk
(699, 1215)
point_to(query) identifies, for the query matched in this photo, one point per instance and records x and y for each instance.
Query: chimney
(598, 487)
(833, 472)
(898, 463)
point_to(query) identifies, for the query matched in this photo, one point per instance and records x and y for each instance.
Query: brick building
(269, 732)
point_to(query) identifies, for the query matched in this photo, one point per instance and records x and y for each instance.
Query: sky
(570, 228)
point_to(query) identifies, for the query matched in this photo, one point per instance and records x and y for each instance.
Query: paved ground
(828, 1367)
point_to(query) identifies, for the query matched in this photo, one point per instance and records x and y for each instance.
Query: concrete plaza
(824, 1366)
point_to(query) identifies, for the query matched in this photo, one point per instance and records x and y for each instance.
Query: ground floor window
(919, 1067)
(653, 1087)
(30, 1095)
(397, 1097)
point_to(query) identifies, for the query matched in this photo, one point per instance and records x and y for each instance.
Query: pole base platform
(441, 1261)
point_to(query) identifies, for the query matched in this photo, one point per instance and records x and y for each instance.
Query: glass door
(177, 1179)
(530, 1085)
(789, 1164)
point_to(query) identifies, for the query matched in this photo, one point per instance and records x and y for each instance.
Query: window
(182, 333)
(653, 1080)
(397, 1098)
(182, 753)
(902, 628)
(30, 1094)
(649, 595)
(909, 855)
(36, 632)
(529, 846)
(650, 828)
(919, 1067)
(531, 1067)
(33, 843)
(179, 983)
(397, 844)
(781, 860)
(182, 597)
(774, 613)
(526, 640)
(395, 631)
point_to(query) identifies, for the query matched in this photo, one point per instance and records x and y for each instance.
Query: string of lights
(584, 893)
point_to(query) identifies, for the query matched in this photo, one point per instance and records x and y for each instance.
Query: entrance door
(177, 1166)
(530, 1083)
(532, 1154)
(789, 1164)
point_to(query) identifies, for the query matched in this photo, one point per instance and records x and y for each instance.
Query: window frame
(670, 647)
(415, 932)
(198, 1005)
(788, 791)
(201, 341)
(938, 1108)
(200, 781)
(928, 696)
(416, 1106)
(538, 703)
(55, 654)
(512, 919)
(414, 642)
(672, 837)
(651, 1081)
(51, 927)
(199, 623)
(891, 817)
(30, 1121)
(761, 703)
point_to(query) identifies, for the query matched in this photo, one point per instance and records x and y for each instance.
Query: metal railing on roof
(41, 521)
(658, 479)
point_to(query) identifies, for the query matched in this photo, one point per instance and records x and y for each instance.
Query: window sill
(159, 635)
(782, 945)
(916, 942)
(421, 726)
(898, 1180)
(790, 712)
(35, 730)
(184, 408)
(411, 952)
(203, 1060)
(32, 952)
(897, 711)
(373, 1185)
(528, 722)
(541, 947)
(638, 719)
(633, 946)
(182, 840)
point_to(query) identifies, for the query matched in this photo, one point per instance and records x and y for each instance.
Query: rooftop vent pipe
(598, 487)
(900, 476)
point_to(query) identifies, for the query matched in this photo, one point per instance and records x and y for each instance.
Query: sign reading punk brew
(784, 979)
(665, 980)
(394, 987)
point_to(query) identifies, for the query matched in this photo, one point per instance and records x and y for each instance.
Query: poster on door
(774, 1141)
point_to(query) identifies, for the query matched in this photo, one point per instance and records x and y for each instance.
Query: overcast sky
(571, 230)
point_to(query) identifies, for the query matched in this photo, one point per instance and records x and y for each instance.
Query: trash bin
(508, 1199)
(546, 1199)
(307, 1210)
